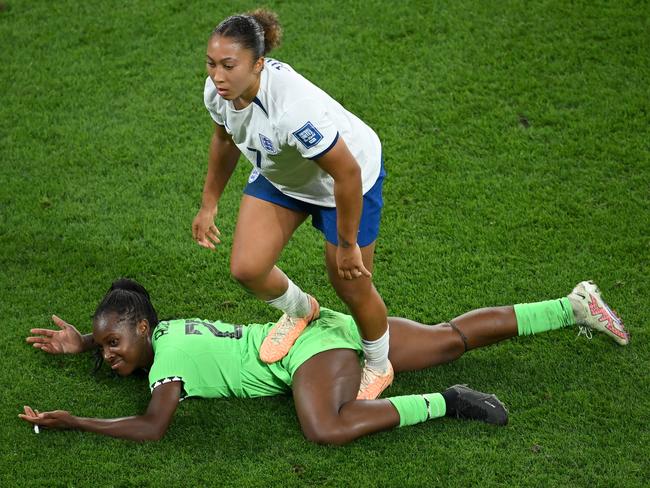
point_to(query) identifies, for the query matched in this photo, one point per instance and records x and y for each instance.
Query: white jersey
(291, 123)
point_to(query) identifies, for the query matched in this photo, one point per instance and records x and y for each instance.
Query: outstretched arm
(68, 340)
(151, 426)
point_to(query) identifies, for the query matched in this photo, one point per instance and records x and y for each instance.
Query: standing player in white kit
(310, 157)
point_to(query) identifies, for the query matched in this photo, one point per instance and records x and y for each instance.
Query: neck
(147, 357)
(246, 98)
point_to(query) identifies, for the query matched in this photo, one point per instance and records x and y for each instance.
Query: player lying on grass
(199, 358)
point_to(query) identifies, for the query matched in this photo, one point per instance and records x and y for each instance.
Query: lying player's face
(232, 68)
(125, 348)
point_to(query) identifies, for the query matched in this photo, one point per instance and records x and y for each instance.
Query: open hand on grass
(58, 419)
(68, 340)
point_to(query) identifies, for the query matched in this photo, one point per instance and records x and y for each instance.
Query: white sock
(376, 352)
(294, 302)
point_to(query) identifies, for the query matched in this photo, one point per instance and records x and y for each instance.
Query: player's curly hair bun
(259, 30)
(271, 25)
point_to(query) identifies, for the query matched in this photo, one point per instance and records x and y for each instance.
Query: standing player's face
(232, 69)
(123, 347)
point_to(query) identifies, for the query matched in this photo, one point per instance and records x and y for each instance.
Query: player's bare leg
(263, 229)
(325, 385)
(325, 389)
(369, 312)
(416, 346)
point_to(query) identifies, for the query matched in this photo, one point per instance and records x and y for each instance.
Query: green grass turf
(516, 137)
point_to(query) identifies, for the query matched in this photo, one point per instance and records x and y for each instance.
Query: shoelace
(367, 376)
(283, 329)
(585, 331)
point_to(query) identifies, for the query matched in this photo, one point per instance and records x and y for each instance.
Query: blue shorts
(324, 218)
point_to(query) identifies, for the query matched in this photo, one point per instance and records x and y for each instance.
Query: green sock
(413, 409)
(533, 318)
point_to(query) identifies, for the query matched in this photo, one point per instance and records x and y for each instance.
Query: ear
(143, 328)
(259, 65)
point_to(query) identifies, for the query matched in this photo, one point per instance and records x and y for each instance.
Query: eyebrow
(105, 337)
(221, 60)
(100, 340)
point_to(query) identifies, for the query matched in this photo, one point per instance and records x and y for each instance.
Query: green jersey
(215, 359)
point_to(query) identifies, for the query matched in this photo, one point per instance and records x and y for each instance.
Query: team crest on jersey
(308, 135)
(267, 144)
(253, 176)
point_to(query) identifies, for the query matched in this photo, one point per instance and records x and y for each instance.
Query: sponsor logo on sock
(428, 404)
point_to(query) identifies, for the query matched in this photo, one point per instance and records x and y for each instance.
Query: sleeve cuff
(325, 151)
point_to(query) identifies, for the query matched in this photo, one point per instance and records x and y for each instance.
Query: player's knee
(361, 299)
(244, 272)
(327, 435)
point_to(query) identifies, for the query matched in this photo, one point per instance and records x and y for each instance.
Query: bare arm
(340, 164)
(150, 426)
(222, 160)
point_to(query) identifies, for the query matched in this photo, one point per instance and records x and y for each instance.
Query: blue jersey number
(258, 156)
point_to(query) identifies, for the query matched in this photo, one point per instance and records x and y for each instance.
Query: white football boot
(592, 313)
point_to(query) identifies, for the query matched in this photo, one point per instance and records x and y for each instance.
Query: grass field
(516, 137)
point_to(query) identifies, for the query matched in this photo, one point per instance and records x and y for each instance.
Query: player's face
(124, 348)
(232, 69)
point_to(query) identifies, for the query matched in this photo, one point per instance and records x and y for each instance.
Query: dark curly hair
(258, 30)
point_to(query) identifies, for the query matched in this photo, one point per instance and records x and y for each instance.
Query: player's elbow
(351, 172)
(155, 434)
(152, 431)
